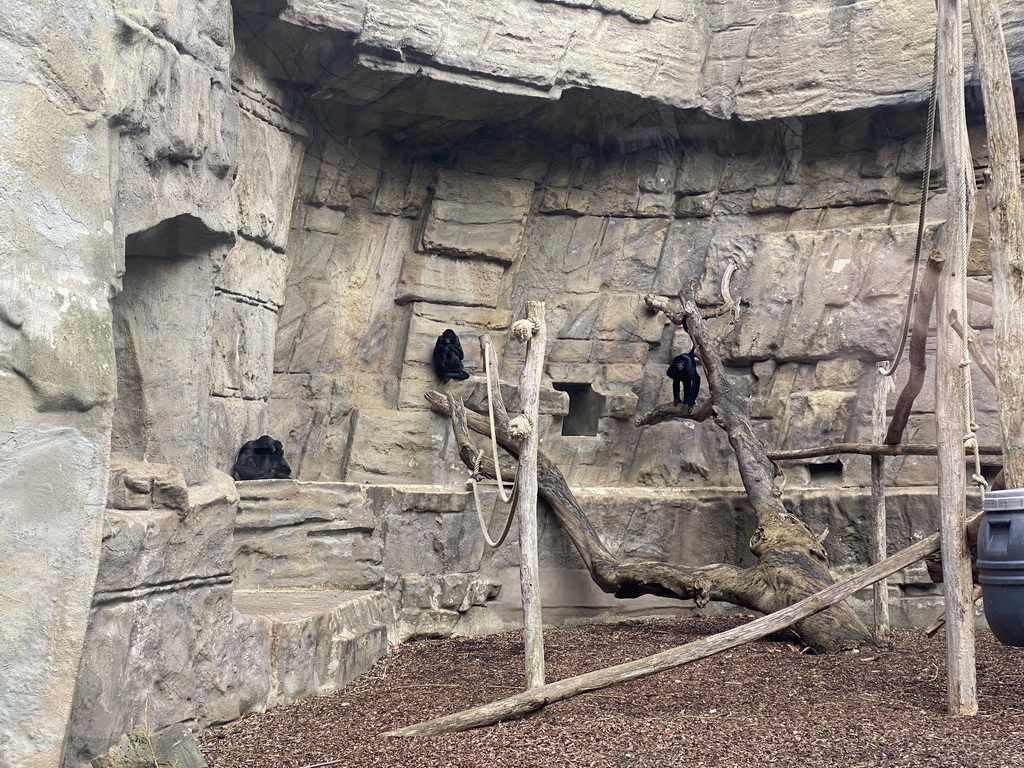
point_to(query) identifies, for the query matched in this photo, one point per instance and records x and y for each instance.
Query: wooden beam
(950, 416)
(1006, 230)
(529, 568)
(879, 538)
(870, 449)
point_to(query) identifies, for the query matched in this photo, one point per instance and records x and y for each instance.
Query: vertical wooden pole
(880, 539)
(949, 407)
(529, 396)
(1006, 230)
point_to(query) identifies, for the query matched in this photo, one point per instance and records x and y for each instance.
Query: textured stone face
(219, 220)
(161, 626)
(56, 358)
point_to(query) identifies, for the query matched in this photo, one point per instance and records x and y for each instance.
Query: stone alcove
(162, 320)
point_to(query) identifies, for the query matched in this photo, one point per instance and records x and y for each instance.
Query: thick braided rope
(494, 433)
(480, 515)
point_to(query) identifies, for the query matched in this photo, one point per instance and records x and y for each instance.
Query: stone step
(302, 643)
(294, 535)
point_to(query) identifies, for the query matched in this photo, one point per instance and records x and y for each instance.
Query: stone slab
(321, 640)
(291, 535)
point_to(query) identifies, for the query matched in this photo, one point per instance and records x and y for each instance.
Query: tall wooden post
(526, 510)
(1006, 230)
(949, 407)
(880, 539)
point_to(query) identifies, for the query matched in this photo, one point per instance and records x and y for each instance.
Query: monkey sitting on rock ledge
(261, 459)
(448, 357)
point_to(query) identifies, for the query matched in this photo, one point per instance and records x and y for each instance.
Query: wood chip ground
(766, 703)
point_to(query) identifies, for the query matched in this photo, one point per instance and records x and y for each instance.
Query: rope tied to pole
(520, 427)
(523, 330)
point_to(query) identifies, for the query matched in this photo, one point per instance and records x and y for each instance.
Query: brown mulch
(762, 703)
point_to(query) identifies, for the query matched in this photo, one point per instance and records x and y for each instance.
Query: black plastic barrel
(1001, 564)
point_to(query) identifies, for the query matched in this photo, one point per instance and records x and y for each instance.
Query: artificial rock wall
(224, 218)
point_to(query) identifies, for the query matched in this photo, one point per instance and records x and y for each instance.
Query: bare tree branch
(918, 350)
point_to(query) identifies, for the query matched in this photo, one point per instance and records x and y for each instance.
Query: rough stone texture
(313, 642)
(174, 746)
(238, 218)
(470, 215)
(250, 285)
(751, 60)
(56, 358)
(290, 534)
(161, 648)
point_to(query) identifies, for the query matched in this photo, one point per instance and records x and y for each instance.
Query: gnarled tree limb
(792, 561)
(975, 346)
(918, 350)
(742, 586)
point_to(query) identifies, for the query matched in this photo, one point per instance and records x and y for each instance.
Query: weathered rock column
(56, 360)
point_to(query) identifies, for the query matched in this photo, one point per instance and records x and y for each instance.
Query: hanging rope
(922, 212)
(967, 382)
(519, 429)
(513, 496)
(480, 515)
(494, 433)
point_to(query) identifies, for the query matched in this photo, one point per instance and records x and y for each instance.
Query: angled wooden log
(975, 347)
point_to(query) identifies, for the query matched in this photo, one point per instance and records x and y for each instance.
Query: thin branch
(868, 449)
(975, 347)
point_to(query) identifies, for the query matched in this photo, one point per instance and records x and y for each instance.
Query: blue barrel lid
(1000, 501)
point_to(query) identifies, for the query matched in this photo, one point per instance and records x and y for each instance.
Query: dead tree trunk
(1006, 230)
(792, 561)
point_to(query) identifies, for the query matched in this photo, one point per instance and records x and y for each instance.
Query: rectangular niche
(585, 409)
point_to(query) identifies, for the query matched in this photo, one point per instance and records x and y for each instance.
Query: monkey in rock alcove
(448, 357)
(261, 459)
(683, 370)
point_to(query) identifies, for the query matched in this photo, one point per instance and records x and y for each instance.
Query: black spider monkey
(261, 459)
(683, 370)
(448, 357)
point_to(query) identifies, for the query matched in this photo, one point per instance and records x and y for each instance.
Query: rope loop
(513, 497)
(492, 543)
(523, 330)
(520, 427)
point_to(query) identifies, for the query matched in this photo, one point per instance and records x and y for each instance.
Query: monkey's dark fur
(448, 357)
(261, 459)
(683, 370)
